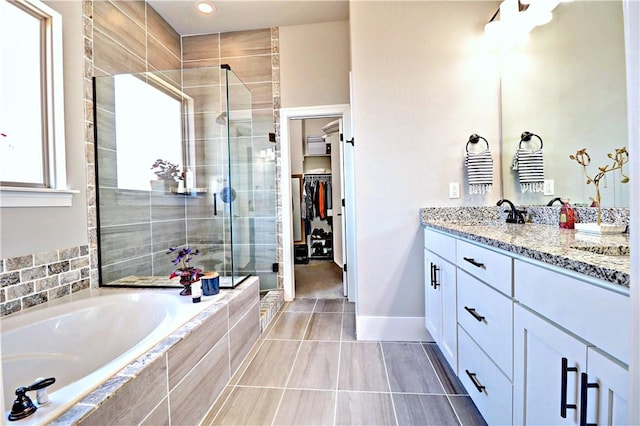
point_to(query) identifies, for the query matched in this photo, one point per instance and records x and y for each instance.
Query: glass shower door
(239, 192)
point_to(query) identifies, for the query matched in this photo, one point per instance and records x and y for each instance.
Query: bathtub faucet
(23, 406)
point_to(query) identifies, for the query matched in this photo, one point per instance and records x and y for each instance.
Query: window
(32, 157)
(148, 127)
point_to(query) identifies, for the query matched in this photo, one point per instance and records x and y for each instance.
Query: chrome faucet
(515, 215)
(550, 203)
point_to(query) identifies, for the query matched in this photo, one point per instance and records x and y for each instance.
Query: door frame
(286, 114)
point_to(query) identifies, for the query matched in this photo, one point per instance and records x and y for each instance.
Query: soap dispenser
(567, 217)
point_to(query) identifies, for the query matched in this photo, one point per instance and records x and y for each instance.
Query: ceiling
(240, 15)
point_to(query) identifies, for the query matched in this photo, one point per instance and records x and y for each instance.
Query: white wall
(314, 64)
(422, 83)
(33, 230)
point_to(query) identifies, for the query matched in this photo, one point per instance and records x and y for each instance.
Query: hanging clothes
(322, 205)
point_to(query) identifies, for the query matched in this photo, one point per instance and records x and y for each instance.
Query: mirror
(567, 85)
(296, 200)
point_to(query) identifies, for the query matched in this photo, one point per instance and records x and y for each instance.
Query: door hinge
(275, 267)
(341, 137)
(344, 267)
(343, 202)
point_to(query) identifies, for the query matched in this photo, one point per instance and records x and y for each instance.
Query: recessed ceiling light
(205, 7)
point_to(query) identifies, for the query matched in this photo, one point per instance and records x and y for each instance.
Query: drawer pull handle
(584, 386)
(473, 312)
(563, 388)
(434, 276)
(472, 261)
(475, 381)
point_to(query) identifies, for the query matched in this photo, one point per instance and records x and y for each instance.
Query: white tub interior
(86, 341)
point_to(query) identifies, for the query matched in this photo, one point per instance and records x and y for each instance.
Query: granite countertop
(549, 244)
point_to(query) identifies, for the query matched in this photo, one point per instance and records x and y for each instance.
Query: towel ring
(473, 139)
(526, 137)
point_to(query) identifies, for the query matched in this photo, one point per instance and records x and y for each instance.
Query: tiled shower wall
(253, 57)
(129, 36)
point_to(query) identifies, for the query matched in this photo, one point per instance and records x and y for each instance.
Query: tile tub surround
(300, 374)
(30, 280)
(179, 379)
(545, 243)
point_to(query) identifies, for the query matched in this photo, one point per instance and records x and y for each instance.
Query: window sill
(35, 197)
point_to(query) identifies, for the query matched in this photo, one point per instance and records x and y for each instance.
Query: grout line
(441, 384)
(384, 363)
(335, 405)
(291, 367)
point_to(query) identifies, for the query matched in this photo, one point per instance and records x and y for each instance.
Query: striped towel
(530, 167)
(480, 171)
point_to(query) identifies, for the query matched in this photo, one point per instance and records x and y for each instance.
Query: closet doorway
(316, 234)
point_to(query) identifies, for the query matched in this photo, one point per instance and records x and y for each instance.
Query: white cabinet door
(606, 404)
(547, 367)
(440, 305)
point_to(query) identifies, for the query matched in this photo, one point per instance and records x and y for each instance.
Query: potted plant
(188, 274)
(167, 173)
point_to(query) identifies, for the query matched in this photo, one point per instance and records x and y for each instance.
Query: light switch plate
(454, 190)
(548, 187)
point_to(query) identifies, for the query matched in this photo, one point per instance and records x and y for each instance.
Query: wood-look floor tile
(412, 409)
(448, 378)
(272, 364)
(362, 367)
(330, 305)
(349, 306)
(324, 326)
(349, 327)
(364, 408)
(306, 407)
(467, 411)
(316, 366)
(409, 369)
(290, 325)
(301, 305)
(249, 406)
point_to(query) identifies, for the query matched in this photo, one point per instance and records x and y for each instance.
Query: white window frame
(56, 194)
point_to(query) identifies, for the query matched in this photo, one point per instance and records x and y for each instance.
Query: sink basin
(605, 250)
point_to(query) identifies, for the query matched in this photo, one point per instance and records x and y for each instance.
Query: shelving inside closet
(320, 195)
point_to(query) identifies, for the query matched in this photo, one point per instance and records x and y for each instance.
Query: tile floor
(308, 369)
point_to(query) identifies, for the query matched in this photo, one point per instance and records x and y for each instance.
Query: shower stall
(178, 165)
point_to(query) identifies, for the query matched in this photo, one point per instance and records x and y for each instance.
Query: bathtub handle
(41, 384)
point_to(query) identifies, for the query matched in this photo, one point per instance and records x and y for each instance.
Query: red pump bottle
(567, 217)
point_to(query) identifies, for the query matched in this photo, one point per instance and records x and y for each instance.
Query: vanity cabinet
(568, 343)
(440, 293)
(532, 343)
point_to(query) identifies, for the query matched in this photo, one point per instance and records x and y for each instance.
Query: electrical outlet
(548, 187)
(454, 190)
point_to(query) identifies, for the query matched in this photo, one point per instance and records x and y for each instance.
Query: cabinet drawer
(489, 266)
(443, 245)
(489, 389)
(596, 314)
(488, 317)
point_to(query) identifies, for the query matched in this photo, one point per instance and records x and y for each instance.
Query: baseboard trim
(398, 329)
